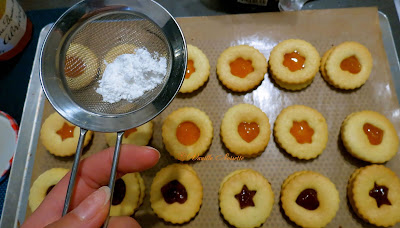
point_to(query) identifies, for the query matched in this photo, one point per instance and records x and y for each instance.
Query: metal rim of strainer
(56, 45)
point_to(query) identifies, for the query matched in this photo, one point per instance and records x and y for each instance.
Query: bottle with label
(15, 29)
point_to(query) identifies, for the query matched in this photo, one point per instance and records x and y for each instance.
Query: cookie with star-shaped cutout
(245, 198)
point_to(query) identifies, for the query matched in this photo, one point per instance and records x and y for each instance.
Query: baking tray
(273, 163)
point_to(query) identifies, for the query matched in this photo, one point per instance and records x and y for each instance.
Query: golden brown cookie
(43, 185)
(301, 131)
(187, 133)
(245, 130)
(61, 137)
(374, 194)
(137, 136)
(176, 193)
(245, 198)
(348, 65)
(309, 199)
(128, 195)
(294, 63)
(369, 136)
(241, 68)
(197, 71)
(81, 66)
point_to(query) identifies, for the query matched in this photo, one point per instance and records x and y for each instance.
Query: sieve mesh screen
(103, 39)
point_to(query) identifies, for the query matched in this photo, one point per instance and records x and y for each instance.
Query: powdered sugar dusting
(131, 75)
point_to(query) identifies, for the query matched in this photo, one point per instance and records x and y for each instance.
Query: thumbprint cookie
(294, 64)
(197, 71)
(176, 193)
(187, 133)
(61, 137)
(245, 130)
(301, 131)
(241, 68)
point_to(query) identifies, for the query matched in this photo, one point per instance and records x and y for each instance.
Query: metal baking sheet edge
(16, 200)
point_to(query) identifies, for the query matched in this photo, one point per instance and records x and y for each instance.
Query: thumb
(91, 212)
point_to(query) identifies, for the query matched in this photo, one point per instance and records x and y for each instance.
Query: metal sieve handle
(74, 170)
(111, 184)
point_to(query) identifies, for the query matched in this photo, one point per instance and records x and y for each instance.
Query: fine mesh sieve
(74, 56)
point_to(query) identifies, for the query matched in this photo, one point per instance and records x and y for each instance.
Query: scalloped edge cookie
(131, 200)
(201, 73)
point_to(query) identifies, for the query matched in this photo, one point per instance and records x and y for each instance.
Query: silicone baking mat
(323, 29)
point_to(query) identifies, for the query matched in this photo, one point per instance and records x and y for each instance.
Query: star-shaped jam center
(302, 132)
(380, 193)
(67, 131)
(245, 197)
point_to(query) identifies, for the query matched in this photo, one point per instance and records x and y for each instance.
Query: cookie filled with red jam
(309, 199)
(301, 131)
(369, 136)
(347, 65)
(374, 194)
(245, 130)
(245, 198)
(176, 193)
(294, 63)
(60, 137)
(241, 68)
(187, 133)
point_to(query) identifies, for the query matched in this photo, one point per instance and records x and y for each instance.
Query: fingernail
(159, 154)
(93, 203)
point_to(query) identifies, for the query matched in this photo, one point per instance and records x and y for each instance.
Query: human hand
(90, 201)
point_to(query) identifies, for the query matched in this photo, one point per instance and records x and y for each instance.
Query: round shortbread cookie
(301, 131)
(187, 133)
(285, 64)
(245, 198)
(61, 137)
(142, 189)
(176, 193)
(43, 185)
(114, 52)
(342, 78)
(198, 70)
(249, 67)
(81, 66)
(310, 199)
(126, 197)
(137, 136)
(374, 194)
(379, 145)
(245, 130)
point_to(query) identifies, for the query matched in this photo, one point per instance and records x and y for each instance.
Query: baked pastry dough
(309, 199)
(198, 70)
(245, 198)
(348, 65)
(369, 136)
(128, 195)
(61, 137)
(43, 185)
(245, 130)
(301, 131)
(137, 136)
(374, 194)
(294, 63)
(81, 66)
(176, 193)
(241, 68)
(187, 133)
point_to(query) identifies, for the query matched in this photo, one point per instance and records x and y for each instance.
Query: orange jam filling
(74, 66)
(67, 131)
(187, 133)
(294, 61)
(130, 131)
(374, 134)
(302, 132)
(248, 131)
(351, 64)
(190, 69)
(241, 67)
